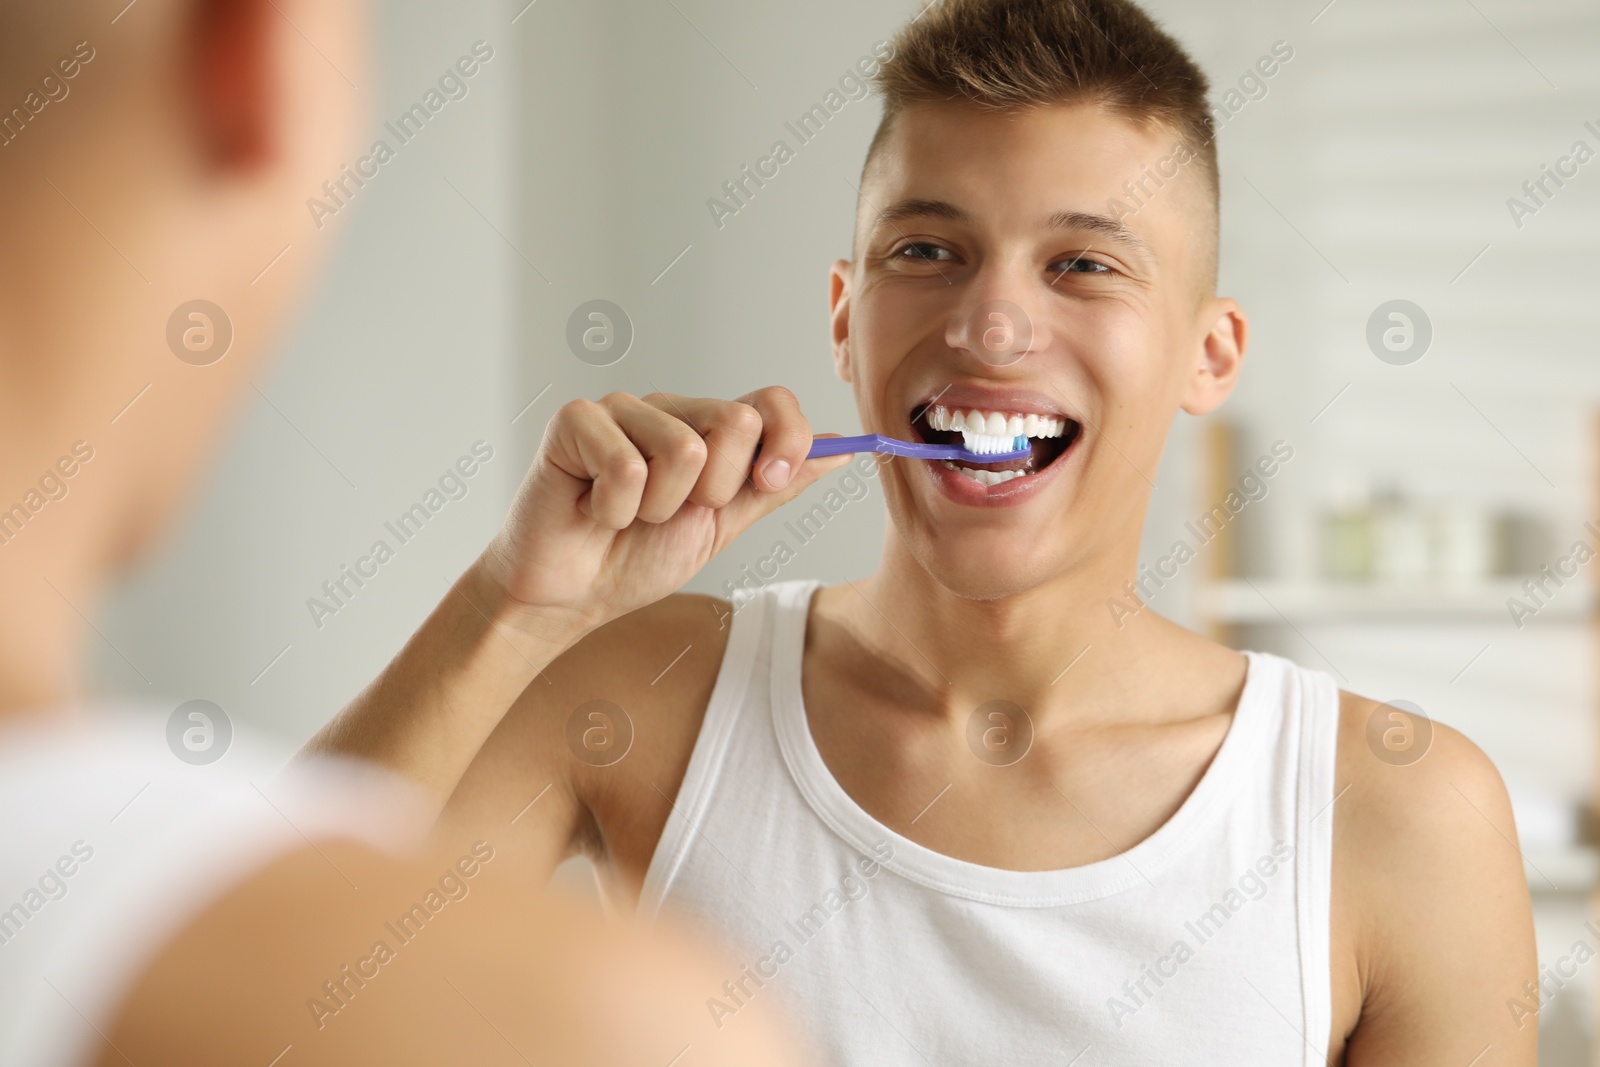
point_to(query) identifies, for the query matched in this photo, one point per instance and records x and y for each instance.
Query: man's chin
(983, 571)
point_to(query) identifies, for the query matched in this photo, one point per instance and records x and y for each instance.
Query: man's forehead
(1065, 166)
(1058, 140)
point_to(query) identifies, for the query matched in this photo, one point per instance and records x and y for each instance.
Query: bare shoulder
(1430, 905)
(1416, 789)
(1415, 793)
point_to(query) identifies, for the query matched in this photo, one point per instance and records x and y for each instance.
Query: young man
(957, 812)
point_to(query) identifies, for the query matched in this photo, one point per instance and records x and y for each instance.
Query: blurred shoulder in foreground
(425, 963)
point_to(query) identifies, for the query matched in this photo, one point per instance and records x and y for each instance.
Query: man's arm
(626, 500)
(433, 707)
(447, 689)
(1429, 894)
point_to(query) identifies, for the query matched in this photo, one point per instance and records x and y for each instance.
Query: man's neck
(65, 472)
(41, 630)
(1056, 648)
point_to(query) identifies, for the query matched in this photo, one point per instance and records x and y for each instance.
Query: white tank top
(1204, 944)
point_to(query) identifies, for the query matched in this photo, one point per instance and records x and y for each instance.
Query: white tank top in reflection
(1204, 944)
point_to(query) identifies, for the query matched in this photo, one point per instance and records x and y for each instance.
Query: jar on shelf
(1347, 533)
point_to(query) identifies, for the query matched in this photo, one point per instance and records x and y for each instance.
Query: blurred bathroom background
(1423, 348)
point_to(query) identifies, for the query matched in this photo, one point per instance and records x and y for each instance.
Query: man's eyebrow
(1104, 225)
(1110, 228)
(921, 209)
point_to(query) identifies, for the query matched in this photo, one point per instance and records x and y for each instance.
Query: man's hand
(626, 500)
(629, 497)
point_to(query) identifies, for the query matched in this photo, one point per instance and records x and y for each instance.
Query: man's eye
(1079, 265)
(922, 250)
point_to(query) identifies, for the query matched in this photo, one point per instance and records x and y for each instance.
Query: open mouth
(980, 430)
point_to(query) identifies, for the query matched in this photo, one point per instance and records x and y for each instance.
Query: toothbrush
(877, 442)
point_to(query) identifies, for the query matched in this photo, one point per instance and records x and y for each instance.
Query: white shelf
(1265, 601)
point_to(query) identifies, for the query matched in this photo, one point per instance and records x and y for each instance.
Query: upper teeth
(993, 431)
(995, 423)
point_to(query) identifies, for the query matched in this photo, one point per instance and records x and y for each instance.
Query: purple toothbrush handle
(877, 442)
(841, 446)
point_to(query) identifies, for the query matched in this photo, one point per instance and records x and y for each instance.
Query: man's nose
(997, 320)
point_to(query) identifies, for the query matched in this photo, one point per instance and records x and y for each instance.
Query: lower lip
(1014, 493)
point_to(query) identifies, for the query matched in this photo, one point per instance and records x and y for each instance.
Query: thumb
(740, 513)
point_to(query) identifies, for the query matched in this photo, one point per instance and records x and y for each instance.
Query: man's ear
(1221, 357)
(232, 82)
(839, 317)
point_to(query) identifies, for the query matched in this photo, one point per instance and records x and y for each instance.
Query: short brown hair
(1008, 55)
